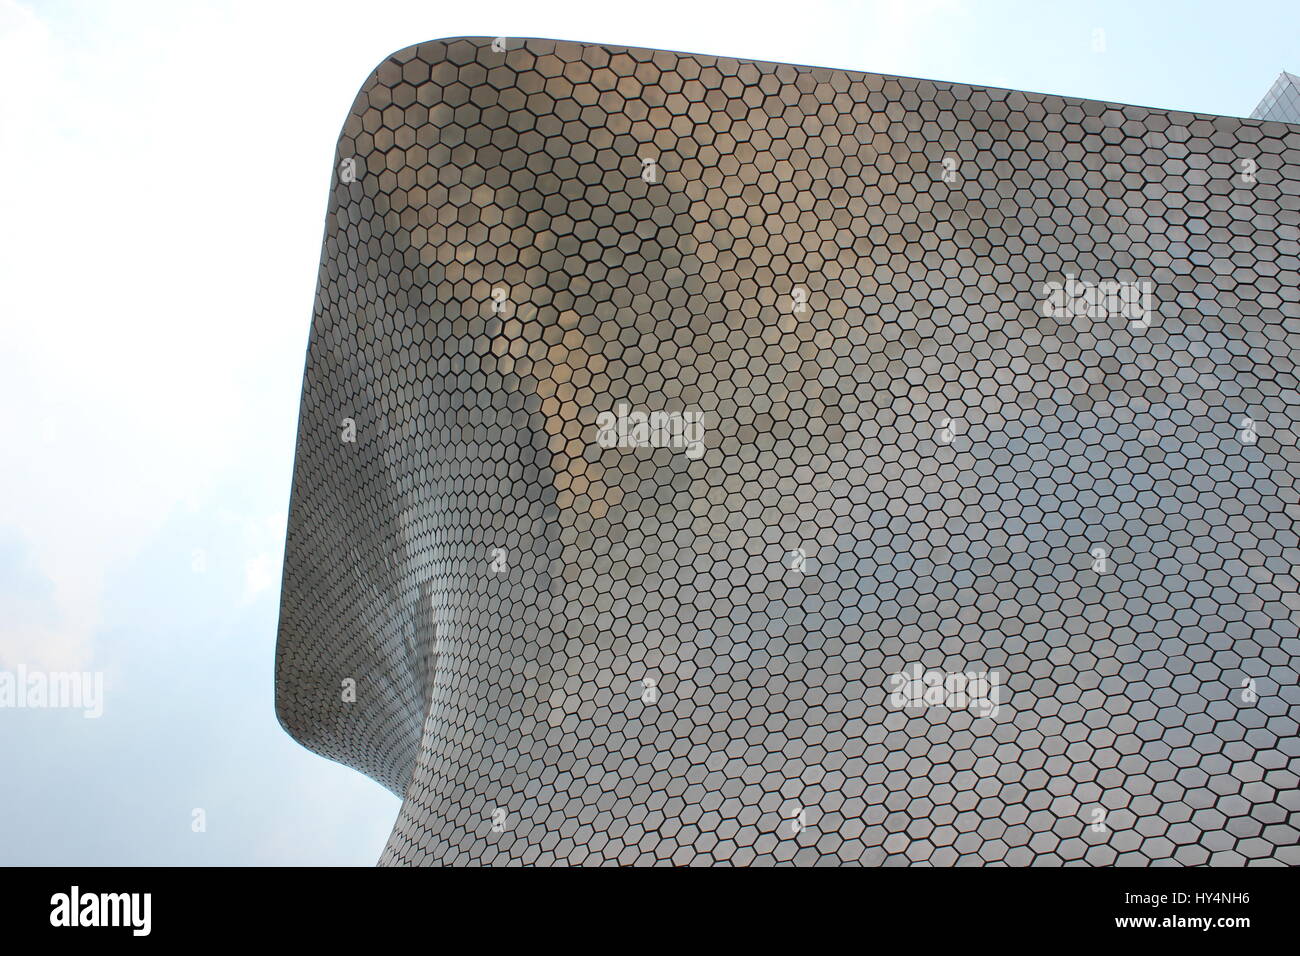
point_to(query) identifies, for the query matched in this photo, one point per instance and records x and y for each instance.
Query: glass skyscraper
(1282, 101)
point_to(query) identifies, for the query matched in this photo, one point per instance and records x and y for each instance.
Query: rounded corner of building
(281, 716)
(389, 71)
(411, 64)
(282, 699)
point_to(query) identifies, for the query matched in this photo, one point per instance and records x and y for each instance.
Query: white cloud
(261, 573)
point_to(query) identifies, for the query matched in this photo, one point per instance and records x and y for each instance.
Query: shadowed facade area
(707, 461)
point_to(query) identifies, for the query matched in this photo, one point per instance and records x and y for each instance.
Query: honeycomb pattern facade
(875, 444)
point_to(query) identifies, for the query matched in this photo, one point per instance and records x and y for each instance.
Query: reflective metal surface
(705, 461)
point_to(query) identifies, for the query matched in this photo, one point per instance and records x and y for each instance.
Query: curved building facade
(708, 461)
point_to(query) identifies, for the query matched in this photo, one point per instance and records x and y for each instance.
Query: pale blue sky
(165, 171)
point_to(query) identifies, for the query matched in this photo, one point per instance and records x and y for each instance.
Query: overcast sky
(165, 169)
